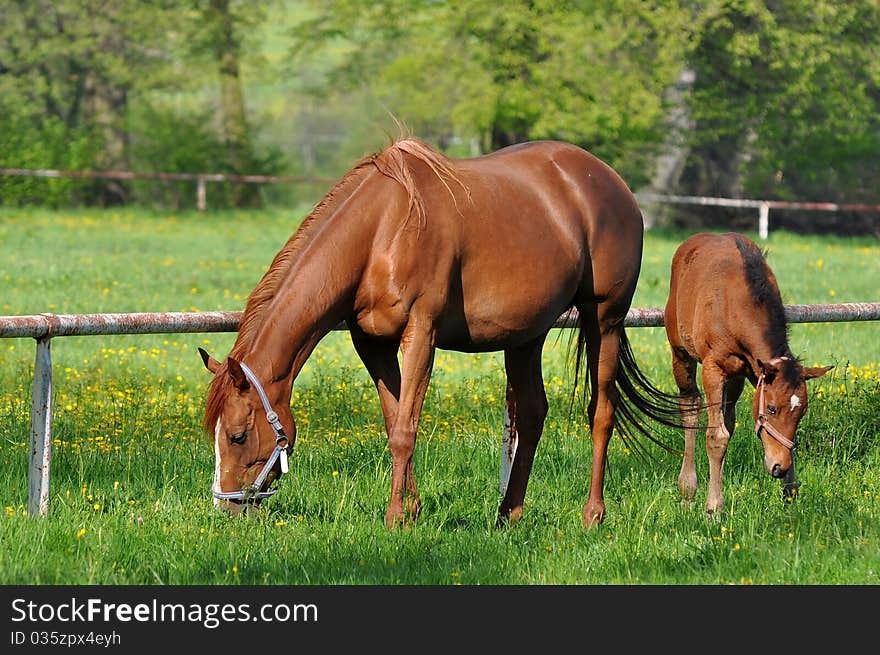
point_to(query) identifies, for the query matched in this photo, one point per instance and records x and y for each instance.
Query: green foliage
(84, 86)
(784, 99)
(28, 143)
(497, 74)
(793, 89)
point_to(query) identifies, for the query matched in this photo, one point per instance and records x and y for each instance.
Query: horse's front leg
(717, 436)
(417, 348)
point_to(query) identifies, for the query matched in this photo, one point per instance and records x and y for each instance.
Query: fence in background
(44, 327)
(201, 180)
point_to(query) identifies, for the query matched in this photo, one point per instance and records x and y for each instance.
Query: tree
(67, 69)
(224, 21)
(492, 74)
(786, 101)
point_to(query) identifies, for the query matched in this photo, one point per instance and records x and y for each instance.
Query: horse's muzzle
(777, 471)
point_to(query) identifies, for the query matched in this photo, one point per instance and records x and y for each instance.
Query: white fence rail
(201, 180)
(44, 327)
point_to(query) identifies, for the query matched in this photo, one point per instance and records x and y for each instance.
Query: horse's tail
(637, 399)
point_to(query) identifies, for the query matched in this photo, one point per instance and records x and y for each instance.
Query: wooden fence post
(201, 194)
(764, 221)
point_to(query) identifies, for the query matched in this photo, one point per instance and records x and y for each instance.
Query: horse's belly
(497, 323)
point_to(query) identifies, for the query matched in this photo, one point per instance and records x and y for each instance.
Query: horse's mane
(391, 162)
(765, 293)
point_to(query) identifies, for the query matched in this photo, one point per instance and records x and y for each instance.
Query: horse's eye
(771, 409)
(238, 437)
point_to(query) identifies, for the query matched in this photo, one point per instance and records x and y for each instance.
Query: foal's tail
(638, 398)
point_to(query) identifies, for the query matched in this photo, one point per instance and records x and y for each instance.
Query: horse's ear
(816, 372)
(768, 370)
(239, 379)
(210, 363)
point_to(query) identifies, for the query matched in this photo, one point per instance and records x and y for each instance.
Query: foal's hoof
(594, 514)
(714, 513)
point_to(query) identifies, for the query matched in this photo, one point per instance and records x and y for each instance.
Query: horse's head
(251, 441)
(780, 403)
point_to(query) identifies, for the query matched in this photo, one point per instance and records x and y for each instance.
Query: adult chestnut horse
(416, 251)
(725, 312)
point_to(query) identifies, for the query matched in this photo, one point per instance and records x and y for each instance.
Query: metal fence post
(41, 430)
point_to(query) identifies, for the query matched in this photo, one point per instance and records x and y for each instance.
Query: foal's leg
(717, 435)
(528, 410)
(604, 348)
(684, 369)
(733, 389)
(417, 346)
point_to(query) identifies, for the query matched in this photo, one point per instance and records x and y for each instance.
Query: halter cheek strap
(762, 422)
(281, 451)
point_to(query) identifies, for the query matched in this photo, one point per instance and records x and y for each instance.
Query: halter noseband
(281, 451)
(762, 422)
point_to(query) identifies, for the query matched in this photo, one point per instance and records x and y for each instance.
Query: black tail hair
(638, 397)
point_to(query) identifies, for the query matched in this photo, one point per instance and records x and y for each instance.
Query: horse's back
(708, 292)
(559, 201)
(551, 226)
(506, 243)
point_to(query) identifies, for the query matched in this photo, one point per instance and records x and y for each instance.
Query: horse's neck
(316, 294)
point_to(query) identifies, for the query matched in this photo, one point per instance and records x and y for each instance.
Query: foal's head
(244, 440)
(780, 403)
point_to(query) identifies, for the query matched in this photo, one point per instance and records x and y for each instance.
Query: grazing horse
(415, 251)
(725, 312)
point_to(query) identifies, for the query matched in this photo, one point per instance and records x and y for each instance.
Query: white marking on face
(795, 401)
(217, 462)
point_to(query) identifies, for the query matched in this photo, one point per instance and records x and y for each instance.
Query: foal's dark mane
(390, 162)
(765, 294)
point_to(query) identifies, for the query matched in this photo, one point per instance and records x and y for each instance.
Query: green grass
(132, 466)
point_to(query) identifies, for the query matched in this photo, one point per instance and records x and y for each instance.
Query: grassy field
(131, 469)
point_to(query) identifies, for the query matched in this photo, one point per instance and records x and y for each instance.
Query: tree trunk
(232, 109)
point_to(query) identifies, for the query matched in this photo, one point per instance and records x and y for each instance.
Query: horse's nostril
(777, 471)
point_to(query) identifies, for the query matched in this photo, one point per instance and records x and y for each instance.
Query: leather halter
(282, 450)
(762, 422)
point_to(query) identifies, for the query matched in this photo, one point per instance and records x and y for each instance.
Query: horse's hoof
(394, 520)
(413, 509)
(714, 513)
(508, 517)
(687, 491)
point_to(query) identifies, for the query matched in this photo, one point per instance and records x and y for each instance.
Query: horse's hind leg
(527, 411)
(684, 369)
(603, 360)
